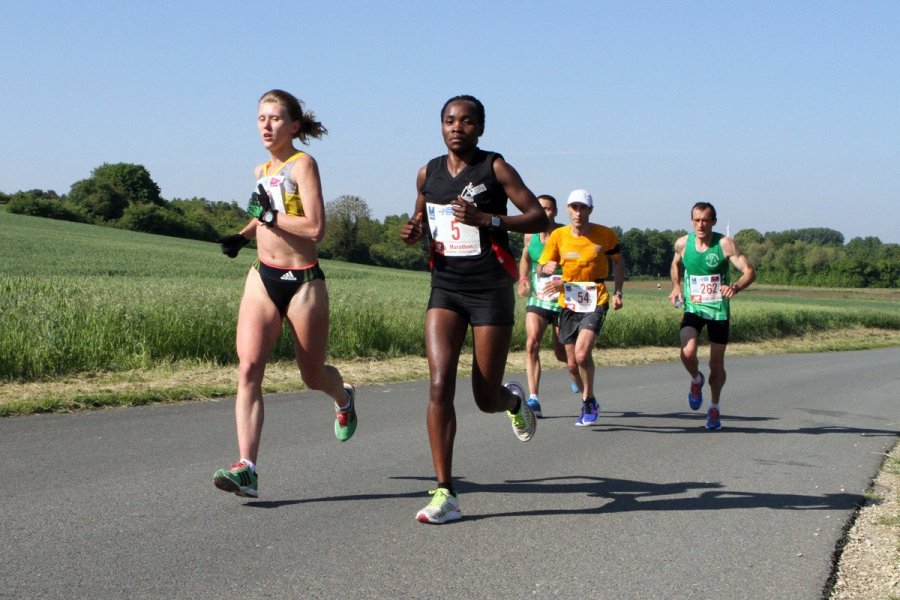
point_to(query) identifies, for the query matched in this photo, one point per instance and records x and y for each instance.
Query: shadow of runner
(616, 495)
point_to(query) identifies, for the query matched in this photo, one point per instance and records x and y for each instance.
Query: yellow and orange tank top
(281, 188)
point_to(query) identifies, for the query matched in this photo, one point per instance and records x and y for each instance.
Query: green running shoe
(238, 479)
(442, 508)
(523, 422)
(345, 421)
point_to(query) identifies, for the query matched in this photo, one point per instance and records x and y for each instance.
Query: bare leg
(309, 321)
(445, 332)
(259, 325)
(535, 326)
(716, 370)
(490, 353)
(559, 350)
(583, 353)
(689, 359)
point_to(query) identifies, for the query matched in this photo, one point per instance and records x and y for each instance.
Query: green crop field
(80, 298)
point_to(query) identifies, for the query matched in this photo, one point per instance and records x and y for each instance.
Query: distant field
(80, 298)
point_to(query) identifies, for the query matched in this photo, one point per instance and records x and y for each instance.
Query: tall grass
(79, 298)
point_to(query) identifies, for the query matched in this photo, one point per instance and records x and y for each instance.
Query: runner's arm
(411, 232)
(524, 285)
(618, 279)
(740, 262)
(676, 272)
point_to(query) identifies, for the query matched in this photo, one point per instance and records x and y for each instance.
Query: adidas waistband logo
(288, 276)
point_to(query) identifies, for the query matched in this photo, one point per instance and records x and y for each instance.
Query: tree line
(125, 196)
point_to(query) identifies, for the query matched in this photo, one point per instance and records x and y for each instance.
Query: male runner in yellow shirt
(583, 250)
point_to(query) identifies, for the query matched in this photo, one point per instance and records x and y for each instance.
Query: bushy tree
(391, 251)
(132, 181)
(38, 203)
(745, 237)
(349, 230)
(99, 201)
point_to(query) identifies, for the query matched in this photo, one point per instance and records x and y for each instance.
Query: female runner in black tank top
(462, 200)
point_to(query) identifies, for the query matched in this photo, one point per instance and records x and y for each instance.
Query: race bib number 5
(581, 297)
(452, 238)
(706, 288)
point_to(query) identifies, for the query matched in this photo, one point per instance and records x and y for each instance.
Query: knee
(583, 358)
(251, 371)
(532, 346)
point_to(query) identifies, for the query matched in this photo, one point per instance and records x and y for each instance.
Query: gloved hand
(259, 202)
(232, 244)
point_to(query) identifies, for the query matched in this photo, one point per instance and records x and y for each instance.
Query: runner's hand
(524, 288)
(411, 232)
(465, 212)
(232, 244)
(549, 268)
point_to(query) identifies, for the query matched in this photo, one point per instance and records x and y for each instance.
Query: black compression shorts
(481, 307)
(551, 316)
(717, 330)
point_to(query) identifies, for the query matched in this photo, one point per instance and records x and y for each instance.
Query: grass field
(80, 298)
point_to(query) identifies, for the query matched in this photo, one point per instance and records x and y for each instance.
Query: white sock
(344, 407)
(698, 378)
(533, 397)
(249, 463)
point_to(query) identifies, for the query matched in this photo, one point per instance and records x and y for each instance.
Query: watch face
(495, 221)
(269, 217)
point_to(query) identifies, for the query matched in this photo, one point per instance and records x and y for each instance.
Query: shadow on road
(614, 495)
(730, 424)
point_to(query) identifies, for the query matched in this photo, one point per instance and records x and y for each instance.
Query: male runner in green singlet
(700, 282)
(541, 310)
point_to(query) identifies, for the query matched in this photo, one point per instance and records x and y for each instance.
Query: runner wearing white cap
(583, 250)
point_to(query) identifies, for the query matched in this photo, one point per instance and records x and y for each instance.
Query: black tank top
(484, 270)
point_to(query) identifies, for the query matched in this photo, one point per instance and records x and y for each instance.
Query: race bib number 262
(706, 288)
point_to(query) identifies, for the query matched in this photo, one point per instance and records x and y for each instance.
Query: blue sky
(783, 114)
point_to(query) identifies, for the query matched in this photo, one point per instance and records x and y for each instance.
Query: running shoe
(695, 394)
(523, 422)
(345, 421)
(238, 479)
(443, 507)
(535, 405)
(712, 418)
(590, 410)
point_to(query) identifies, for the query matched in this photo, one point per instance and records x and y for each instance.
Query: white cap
(581, 197)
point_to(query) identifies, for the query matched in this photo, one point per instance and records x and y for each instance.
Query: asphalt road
(648, 504)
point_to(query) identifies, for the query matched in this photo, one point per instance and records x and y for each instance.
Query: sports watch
(495, 221)
(268, 217)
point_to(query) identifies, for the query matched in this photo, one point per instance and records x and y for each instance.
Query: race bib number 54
(452, 238)
(581, 297)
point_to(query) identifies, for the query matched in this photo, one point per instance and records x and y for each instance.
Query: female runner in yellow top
(285, 283)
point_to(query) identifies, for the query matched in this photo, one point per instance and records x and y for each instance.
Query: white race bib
(452, 238)
(581, 296)
(541, 281)
(274, 186)
(705, 288)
